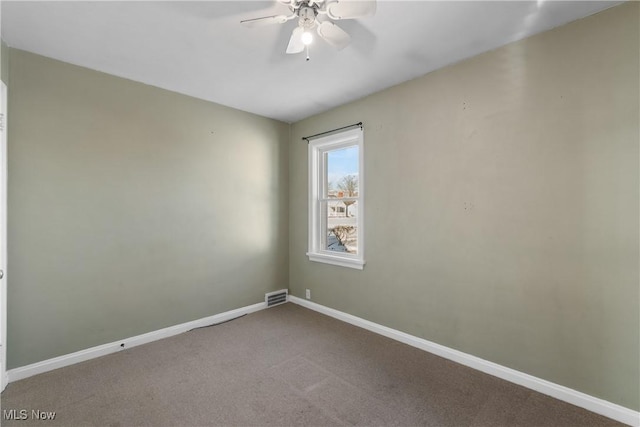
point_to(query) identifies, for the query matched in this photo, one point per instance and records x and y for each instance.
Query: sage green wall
(502, 207)
(132, 208)
(4, 62)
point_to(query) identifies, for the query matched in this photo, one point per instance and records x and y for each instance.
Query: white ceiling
(200, 49)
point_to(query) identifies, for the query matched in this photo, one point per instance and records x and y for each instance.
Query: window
(336, 233)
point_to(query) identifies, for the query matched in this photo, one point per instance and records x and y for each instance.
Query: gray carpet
(283, 366)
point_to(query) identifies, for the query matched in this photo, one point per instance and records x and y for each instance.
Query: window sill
(337, 260)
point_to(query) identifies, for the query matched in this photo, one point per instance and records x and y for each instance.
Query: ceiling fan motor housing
(307, 16)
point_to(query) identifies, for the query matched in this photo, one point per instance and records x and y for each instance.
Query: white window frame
(317, 178)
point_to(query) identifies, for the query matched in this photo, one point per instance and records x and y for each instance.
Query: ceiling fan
(317, 14)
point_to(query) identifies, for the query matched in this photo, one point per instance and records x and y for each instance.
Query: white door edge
(3, 236)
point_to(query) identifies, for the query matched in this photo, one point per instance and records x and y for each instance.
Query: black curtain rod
(307, 138)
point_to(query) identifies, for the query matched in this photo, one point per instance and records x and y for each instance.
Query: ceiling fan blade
(334, 35)
(266, 20)
(350, 9)
(295, 42)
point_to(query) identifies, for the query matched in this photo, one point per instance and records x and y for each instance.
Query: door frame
(3, 235)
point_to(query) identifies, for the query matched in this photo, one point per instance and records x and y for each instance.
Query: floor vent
(275, 298)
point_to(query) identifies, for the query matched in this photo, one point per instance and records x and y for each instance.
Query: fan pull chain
(307, 52)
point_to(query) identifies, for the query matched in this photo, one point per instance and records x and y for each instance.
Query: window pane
(342, 172)
(342, 226)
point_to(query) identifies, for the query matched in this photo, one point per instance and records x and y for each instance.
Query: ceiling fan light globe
(307, 38)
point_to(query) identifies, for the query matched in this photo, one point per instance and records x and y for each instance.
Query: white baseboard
(102, 350)
(593, 404)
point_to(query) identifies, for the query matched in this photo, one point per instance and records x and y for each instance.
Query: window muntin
(335, 199)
